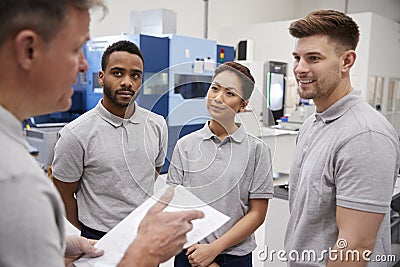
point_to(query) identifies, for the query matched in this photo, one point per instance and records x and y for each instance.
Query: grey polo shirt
(31, 221)
(114, 159)
(226, 175)
(347, 156)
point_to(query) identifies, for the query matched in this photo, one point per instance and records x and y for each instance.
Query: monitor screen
(192, 86)
(276, 91)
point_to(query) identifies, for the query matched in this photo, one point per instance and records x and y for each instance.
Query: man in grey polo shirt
(347, 154)
(109, 157)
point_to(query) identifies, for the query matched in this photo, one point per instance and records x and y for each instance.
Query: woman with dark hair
(227, 168)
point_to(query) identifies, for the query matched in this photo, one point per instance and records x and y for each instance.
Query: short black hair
(125, 46)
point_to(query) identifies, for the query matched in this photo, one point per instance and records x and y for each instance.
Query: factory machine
(155, 51)
(42, 131)
(177, 75)
(274, 88)
(192, 65)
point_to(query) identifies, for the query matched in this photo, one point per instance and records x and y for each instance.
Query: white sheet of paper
(116, 241)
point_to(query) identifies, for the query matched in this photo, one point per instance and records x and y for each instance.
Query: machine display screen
(192, 86)
(155, 83)
(276, 91)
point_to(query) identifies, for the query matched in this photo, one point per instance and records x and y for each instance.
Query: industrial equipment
(44, 140)
(177, 74)
(274, 88)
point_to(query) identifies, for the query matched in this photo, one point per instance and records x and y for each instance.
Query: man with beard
(110, 156)
(347, 154)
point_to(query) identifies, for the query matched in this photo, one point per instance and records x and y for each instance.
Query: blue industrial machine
(87, 91)
(175, 80)
(155, 51)
(177, 75)
(192, 64)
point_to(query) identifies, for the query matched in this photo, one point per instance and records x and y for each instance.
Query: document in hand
(118, 239)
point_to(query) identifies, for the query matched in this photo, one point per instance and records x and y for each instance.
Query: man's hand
(77, 246)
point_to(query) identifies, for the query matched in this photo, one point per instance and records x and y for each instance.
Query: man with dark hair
(347, 154)
(41, 54)
(109, 157)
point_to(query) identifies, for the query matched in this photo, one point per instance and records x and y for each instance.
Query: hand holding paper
(161, 234)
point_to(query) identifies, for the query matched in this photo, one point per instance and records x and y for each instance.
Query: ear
(25, 44)
(243, 105)
(349, 58)
(101, 78)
